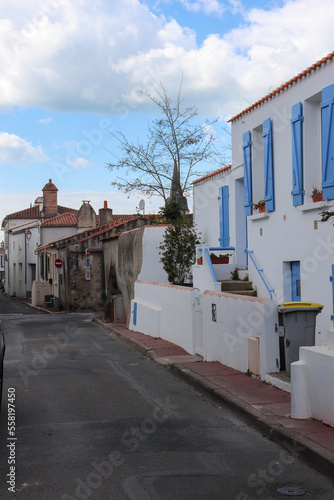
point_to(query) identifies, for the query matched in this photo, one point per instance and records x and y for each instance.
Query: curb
(310, 452)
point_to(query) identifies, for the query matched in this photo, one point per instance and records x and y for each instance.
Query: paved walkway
(262, 405)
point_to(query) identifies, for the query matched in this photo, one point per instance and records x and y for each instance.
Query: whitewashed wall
(165, 311)
(168, 312)
(238, 318)
(312, 389)
(152, 269)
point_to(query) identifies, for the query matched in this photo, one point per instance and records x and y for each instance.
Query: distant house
(25, 230)
(96, 268)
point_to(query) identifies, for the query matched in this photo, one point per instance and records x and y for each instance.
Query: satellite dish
(141, 204)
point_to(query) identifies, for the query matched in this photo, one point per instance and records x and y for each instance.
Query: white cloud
(45, 121)
(207, 6)
(78, 163)
(16, 151)
(96, 56)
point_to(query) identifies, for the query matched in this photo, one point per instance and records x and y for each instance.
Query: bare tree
(327, 214)
(175, 145)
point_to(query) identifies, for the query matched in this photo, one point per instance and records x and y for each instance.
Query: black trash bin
(299, 328)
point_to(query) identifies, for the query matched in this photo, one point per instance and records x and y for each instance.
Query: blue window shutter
(224, 217)
(327, 142)
(268, 166)
(297, 154)
(247, 150)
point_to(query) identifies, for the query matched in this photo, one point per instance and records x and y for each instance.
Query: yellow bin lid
(301, 305)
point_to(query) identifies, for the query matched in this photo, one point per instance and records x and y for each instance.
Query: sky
(72, 72)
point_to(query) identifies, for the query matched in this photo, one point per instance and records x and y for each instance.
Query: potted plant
(261, 205)
(316, 194)
(220, 259)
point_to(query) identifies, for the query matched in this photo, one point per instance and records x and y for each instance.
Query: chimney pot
(105, 204)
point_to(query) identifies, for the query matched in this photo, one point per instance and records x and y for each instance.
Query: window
(258, 167)
(311, 159)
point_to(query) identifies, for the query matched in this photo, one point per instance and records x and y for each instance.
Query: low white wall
(168, 311)
(39, 290)
(165, 311)
(312, 377)
(152, 269)
(238, 318)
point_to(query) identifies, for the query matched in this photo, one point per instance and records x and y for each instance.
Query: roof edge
(212, 174)
(285, 85)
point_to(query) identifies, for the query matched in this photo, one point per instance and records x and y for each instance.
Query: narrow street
(95, 420)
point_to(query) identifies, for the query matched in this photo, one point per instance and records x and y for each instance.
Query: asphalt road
(95, 420)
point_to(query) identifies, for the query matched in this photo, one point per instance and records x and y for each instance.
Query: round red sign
(58, 263)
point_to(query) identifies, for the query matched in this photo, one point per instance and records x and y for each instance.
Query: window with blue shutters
(247, 153)
(297, 154)
(268, 166)
(327, 118)
(224, 216)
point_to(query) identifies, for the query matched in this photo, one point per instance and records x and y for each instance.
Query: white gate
(199, 343)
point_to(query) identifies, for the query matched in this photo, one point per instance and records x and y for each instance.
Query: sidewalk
(263, 406)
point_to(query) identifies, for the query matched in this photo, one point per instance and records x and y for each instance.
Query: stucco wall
(178, 314)
(312, 390)
(165, 311)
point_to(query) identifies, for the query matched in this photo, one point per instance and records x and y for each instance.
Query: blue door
(295, 284)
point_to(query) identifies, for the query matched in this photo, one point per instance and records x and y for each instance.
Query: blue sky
(72, 71)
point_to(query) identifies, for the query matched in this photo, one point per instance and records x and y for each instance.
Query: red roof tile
(212, 174)
(35, 213)
(66, 219)
(283, 87)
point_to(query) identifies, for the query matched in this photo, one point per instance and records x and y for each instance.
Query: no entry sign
(58, 263)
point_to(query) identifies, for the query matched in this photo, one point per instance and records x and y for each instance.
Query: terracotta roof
(90, 233)
(212, 174)
(36, 213)
(65, 219)
(283, 87)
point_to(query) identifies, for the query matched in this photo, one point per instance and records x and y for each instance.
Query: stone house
(80, 282)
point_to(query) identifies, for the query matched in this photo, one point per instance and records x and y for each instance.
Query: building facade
(282, 151)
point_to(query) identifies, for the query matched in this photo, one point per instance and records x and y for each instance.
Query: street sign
(87, 252)
(59, 270)
(58, 263)
(87, 261)
(87, 273)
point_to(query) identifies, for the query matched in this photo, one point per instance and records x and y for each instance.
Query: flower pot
(220, 260)
(317, 197)
(200, 261)
(262, 209)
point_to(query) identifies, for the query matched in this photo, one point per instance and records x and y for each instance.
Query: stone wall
(123, 257)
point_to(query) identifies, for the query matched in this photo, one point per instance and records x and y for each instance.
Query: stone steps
(239, 287)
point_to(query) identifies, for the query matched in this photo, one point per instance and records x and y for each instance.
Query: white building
(282, 151)
(282, 148)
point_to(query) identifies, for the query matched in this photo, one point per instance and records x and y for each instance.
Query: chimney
(105, 214)
(50, 208)
(86, 217)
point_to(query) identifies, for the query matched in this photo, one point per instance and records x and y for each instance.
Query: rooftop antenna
(142, 206)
